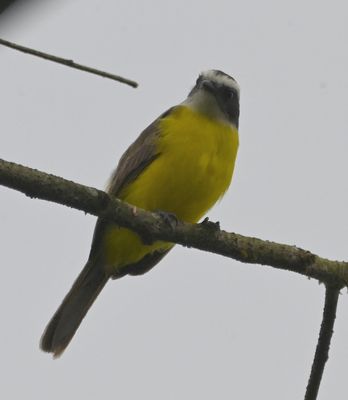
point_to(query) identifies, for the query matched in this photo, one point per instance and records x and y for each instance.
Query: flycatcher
(181, 164)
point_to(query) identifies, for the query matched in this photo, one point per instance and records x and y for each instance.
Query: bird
(180, 165)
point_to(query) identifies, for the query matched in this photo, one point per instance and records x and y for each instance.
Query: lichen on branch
(152, 226)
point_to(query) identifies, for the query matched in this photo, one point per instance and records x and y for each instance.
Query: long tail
(65, 322)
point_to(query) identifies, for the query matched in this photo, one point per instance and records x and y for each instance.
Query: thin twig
(151, 226)
(4, 4)
(68, 63)
(323, 346)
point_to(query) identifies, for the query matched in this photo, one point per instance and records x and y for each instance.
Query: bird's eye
(227, 93)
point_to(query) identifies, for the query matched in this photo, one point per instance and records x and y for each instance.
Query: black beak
(207, 85)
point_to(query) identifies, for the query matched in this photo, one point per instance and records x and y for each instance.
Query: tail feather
(65, 322)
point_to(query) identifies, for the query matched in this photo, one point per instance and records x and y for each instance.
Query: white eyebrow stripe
(221, 79)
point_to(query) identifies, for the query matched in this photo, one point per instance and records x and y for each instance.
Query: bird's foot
(214, 226)
(169, 218)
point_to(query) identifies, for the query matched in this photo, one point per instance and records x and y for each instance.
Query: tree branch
(68, 63)
(151, 226)
(323, 346)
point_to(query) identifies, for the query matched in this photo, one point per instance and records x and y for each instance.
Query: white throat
(205, 103)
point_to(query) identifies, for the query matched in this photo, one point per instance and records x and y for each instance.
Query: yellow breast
(193, 170)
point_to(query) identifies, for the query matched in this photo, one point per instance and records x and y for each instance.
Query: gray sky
(198, 325)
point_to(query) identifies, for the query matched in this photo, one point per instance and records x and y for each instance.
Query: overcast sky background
(198, 326)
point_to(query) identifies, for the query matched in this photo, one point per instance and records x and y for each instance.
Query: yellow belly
(193, 170)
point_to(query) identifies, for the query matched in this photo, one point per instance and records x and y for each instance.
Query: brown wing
(136, 158)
